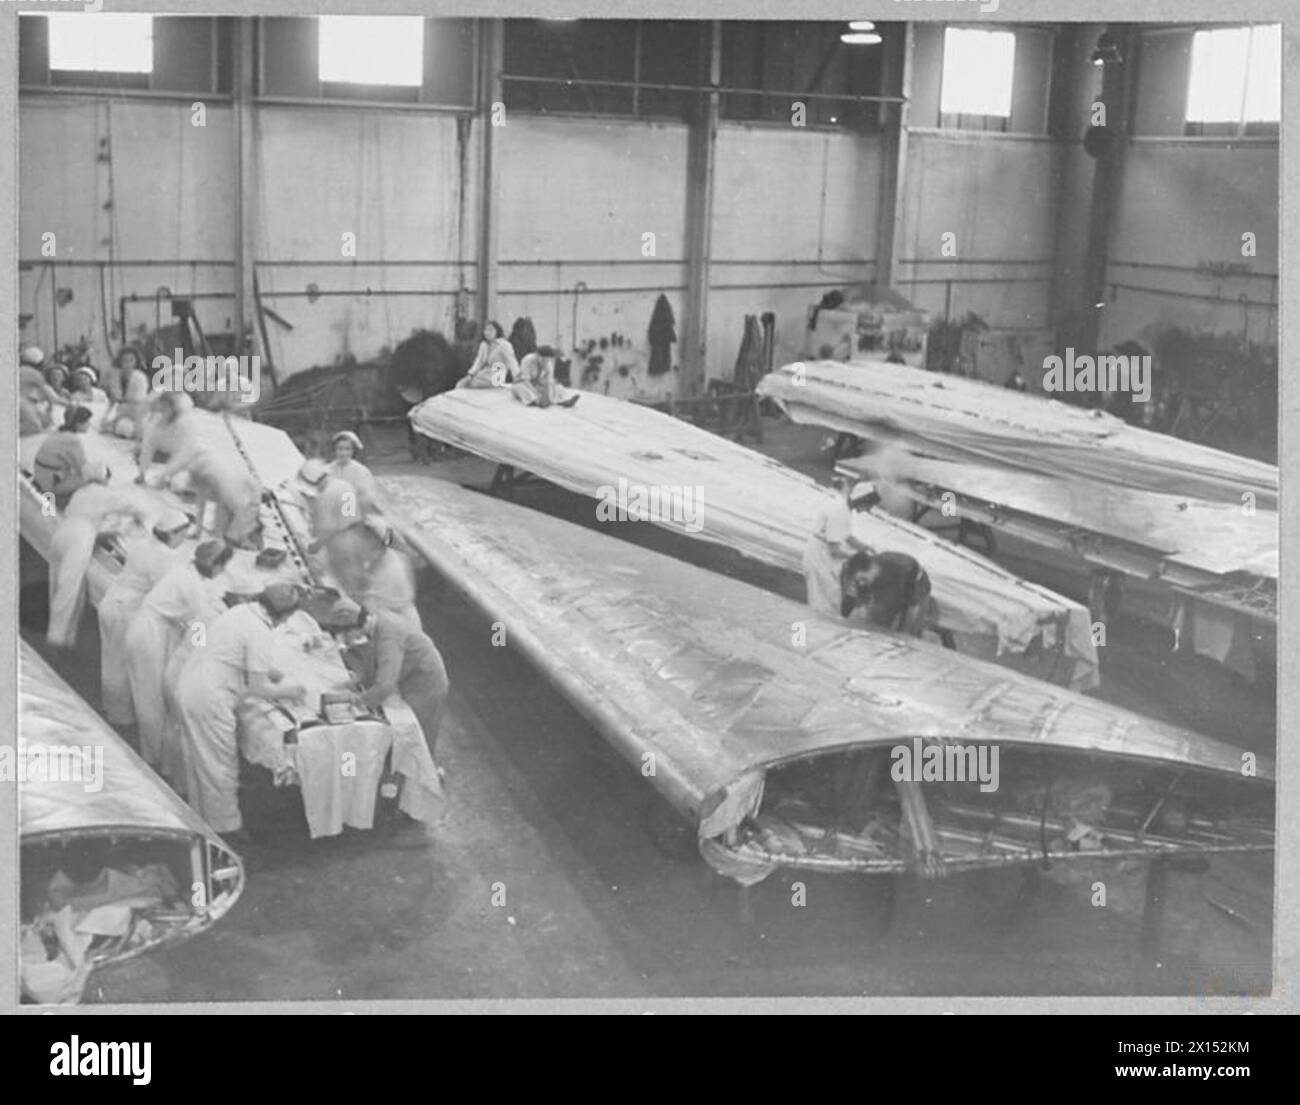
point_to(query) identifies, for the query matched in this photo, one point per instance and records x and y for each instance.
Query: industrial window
(375, 50)
(1236, 80)
(101, 43)
(978, 71)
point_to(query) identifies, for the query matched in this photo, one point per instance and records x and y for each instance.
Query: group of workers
(117, 402)
(184, 691)
(531, 380)
(184, 648)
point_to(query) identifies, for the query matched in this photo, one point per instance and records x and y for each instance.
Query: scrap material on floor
(622, 453)
(699, 676)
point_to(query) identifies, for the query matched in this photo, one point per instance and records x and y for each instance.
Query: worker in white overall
(148, 559)
(829, 545)
(93, 509)
(131, 404)
(331, 503)
(182, 600)
(234, 664)
(345, 466)
(84, 391)
(164, 427)
(220, 477)
(390, 588)
(216, 475)
(36, 399)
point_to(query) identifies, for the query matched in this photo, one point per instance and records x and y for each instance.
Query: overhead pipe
(706, 88)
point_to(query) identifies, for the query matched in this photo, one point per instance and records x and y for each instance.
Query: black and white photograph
(630, 505)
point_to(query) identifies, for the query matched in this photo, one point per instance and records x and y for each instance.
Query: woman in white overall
(92, 510)
(184, 596)
(148, 559)
(235, 663)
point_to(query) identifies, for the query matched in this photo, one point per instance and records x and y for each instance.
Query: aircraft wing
(83, 793)
(711, 688)
(962, 420)
(619, 452)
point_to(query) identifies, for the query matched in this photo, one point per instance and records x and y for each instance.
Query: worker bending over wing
(234, 664)
(891, 590)
(217, 475)
(332, 503)
(94, 509)
(394, 659)
(888, 590)
(373, 571)
(830, 544)
(148, 559)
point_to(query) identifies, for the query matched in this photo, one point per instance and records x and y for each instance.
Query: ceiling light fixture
(1107, 51)
(861, 25)
(860, 38)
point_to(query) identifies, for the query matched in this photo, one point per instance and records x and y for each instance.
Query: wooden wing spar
(614, 451)
(745, 711)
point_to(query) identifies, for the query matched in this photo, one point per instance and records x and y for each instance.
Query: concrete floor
(541, 809)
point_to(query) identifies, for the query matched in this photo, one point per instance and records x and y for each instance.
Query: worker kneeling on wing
(391, 658)
(234, 663)
(148, 559)
(59, 467)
